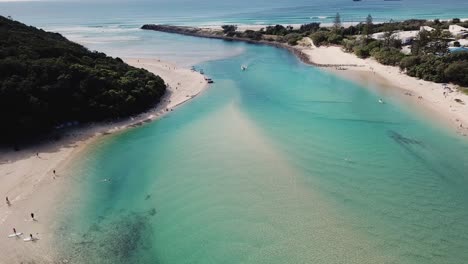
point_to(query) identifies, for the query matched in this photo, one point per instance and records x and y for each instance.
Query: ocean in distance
(113, 26)
(210, 12)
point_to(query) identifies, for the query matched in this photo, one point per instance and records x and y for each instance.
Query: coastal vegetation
(47, 82)
(429, 57)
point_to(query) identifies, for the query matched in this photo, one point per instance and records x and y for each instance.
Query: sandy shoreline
(427, 98)
(27, 177)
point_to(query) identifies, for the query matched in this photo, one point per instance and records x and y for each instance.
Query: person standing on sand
(7, 201)
(32, 216)
(14, 230)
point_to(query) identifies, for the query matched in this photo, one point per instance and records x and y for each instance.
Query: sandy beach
(427, 98)
(27, 176)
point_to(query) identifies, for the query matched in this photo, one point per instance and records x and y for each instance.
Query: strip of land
(28, 180)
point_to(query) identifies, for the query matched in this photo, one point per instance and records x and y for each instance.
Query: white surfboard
(15, 235)
(29, 239)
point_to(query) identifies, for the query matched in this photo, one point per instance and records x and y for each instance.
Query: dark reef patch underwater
(122, 239)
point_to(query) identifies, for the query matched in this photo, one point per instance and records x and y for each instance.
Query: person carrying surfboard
(15, 233)
(30, 239)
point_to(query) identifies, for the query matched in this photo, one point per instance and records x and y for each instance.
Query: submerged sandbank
(219, 189)
(27, 176)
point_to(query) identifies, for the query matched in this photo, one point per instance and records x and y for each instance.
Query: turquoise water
(282, 163)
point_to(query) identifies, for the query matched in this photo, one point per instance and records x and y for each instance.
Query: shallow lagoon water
(283, 163)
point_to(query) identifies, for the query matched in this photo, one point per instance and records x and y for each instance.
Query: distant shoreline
(424, 96)
(194, 32)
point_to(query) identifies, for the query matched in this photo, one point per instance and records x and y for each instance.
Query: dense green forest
(47, 81)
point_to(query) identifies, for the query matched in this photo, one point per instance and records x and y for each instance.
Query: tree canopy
(229, 29)
(47, 81)
(337, 21)
(368, 27)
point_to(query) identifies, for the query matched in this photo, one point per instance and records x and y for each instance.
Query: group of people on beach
(31, 238)
(18, 234)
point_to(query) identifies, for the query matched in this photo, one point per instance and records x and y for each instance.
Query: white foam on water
(90, 29)
(83, 39)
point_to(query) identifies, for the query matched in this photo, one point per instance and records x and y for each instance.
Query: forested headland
(48, 82)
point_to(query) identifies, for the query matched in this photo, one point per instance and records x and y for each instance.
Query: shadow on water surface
(400, 139)
(433, 164)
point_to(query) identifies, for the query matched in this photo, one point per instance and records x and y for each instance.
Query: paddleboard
(30, 239)
(15, 235)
